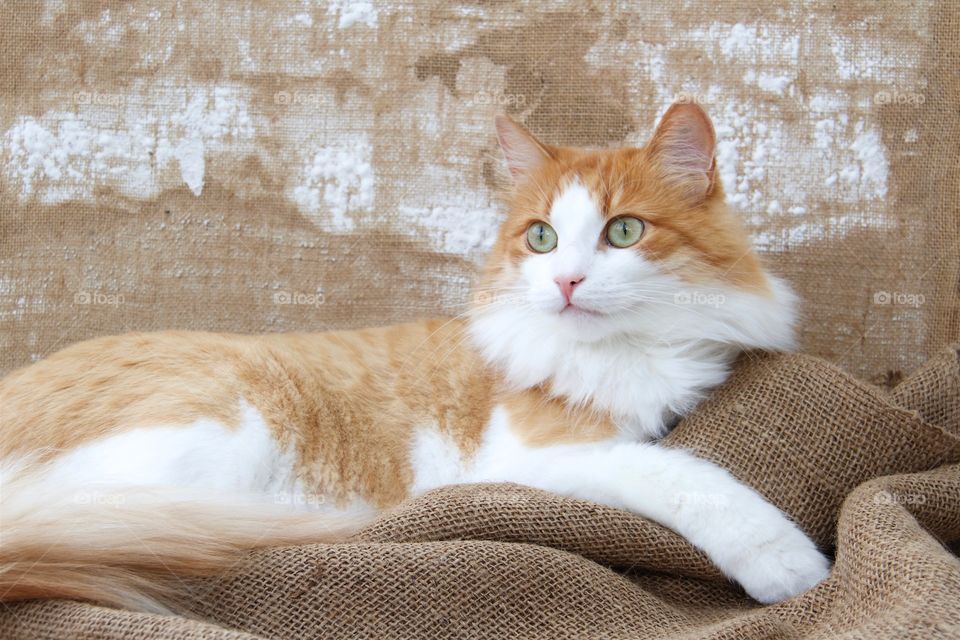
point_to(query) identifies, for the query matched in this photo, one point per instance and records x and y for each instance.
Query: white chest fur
(644, 388)
(642, 383)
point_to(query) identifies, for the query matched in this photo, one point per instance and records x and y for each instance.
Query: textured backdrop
(267, 166)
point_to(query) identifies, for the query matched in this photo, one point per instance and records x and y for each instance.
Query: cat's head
(633, 243)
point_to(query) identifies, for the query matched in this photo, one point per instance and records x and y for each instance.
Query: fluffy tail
(131, 548)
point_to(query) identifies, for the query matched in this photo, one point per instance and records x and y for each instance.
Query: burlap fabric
(934, 390)
(266, 166)
(503, 561)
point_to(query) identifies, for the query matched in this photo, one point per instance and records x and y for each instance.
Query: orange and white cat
(618, 293)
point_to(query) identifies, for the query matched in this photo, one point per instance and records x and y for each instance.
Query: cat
(618, 292)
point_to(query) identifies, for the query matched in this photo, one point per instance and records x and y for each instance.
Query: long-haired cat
(618, 293)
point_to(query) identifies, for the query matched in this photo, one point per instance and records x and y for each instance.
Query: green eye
(541, 237)
(623, 232)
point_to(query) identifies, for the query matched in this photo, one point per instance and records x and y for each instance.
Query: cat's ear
(523, 152)
(683, 145)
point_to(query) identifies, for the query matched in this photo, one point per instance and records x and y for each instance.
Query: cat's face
(599, 243)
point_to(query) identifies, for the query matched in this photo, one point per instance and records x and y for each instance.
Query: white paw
(782, 568)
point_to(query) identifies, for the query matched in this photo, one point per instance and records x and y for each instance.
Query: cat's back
(100, 386)
(97, 386)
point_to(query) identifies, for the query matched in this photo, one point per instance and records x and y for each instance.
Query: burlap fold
(934, 390)
(504, 561)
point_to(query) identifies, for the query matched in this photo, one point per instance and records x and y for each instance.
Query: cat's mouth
(574, 310)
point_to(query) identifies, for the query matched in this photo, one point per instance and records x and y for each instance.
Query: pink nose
(567, 284)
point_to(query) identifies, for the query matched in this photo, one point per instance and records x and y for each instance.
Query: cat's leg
(748, 538)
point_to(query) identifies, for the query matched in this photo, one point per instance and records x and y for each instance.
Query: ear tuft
(523, 152)
(683, 145)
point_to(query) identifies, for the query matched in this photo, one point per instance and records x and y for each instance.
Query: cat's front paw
(782, 568)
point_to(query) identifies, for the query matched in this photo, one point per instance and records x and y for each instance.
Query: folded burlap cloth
(870, 474)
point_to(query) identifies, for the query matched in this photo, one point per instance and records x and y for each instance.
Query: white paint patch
(762, 44)
(207, 116)
(440, 209)
(304, 19)
(816, 229)
(351, 12)
(861, 60)
(848, 158)
(459, 229)
(13, 308)
(831, 103)
(64, 155)
(189, 153)
(770, 82)
(870, 176)
(740, 39)
(337, 179)
(247, 63)
(745, 147)
(52, 9)
(105, 31)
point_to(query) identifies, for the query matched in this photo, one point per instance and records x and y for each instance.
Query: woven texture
(503, 561)
(934, 390)
(267, 166)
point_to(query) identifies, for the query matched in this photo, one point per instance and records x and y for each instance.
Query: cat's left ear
(523, 152)
(683, 145)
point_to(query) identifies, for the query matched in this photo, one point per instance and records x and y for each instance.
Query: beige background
(271, 166)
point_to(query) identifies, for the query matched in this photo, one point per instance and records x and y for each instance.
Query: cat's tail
(133, 548)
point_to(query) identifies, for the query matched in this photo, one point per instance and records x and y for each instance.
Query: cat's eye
(541, 237)
(624, 232)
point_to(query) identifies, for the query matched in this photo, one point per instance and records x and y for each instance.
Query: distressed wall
(270, 166)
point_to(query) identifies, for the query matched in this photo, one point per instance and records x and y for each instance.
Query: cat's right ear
(684, 145)
(523, 152)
